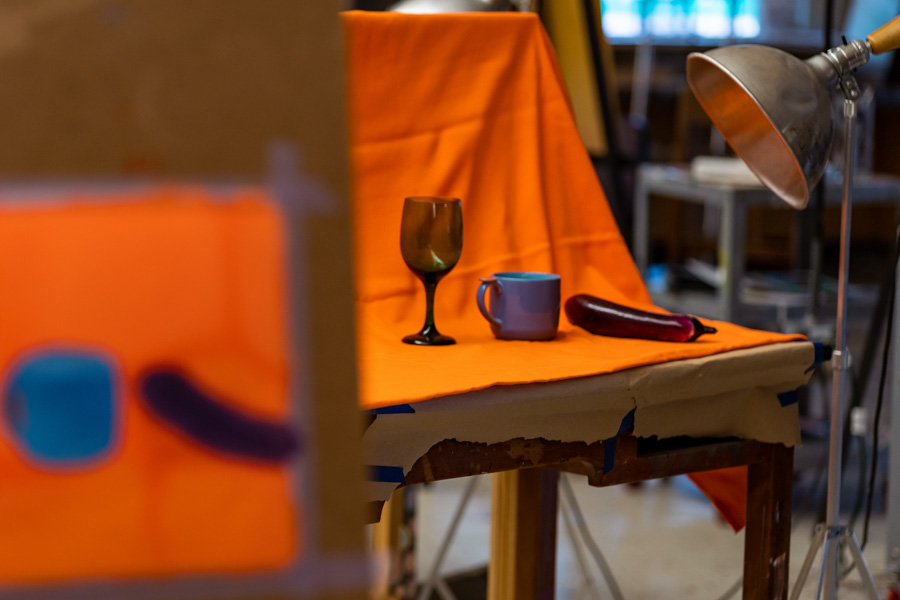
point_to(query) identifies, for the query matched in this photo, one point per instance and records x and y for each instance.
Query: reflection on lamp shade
(442, 6)
(772, 109)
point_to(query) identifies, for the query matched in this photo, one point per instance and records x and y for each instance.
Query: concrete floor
(661, 540)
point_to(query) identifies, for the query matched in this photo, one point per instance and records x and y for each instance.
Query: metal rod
(892, 558)
(592, 546)
(580, 558)
(840, 361)
(833, 533)
(444, 590)
(433, 579)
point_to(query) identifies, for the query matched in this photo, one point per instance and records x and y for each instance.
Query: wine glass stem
(429, 306)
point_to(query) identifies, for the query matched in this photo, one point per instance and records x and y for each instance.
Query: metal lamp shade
(773, 111)
(443, 6)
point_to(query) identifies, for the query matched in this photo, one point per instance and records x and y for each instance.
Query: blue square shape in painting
(60, 406)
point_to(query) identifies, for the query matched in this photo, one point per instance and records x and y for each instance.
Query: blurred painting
(158, 263)
(145, 428)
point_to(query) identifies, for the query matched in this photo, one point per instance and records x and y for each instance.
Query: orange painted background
(168, 275)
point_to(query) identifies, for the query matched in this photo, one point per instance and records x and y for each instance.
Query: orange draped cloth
(473, 105)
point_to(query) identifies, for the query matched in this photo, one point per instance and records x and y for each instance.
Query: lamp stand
(830, 533)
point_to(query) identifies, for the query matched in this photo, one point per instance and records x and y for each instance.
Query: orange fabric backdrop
(171, 276)
(473, 105)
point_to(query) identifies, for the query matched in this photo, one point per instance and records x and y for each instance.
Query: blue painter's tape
(609, 446)
(386, 474)
(788, 398)
(627, 422)
(819, 348)
(609, 455)
(396, 409)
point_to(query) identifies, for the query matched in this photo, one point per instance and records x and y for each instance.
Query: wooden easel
(108, 89)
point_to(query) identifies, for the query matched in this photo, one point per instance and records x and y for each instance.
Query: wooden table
(527, 464)
(527, 498)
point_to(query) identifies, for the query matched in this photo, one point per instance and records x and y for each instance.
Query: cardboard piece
(729, 394)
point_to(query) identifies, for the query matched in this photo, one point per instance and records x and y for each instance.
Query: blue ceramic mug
(524, 305)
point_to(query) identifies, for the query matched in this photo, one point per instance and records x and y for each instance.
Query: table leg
(523, 535)
(768, 536)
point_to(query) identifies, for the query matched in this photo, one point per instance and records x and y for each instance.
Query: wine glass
(430, 242)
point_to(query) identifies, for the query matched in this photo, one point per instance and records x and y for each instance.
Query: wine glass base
(419, 339)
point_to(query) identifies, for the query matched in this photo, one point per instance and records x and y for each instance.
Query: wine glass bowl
(430, 243)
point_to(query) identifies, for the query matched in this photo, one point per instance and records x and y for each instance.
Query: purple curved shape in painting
(173, 397)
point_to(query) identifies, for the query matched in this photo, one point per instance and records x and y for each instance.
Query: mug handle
(498, 289)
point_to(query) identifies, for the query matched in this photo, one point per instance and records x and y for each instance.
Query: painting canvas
(144, 370)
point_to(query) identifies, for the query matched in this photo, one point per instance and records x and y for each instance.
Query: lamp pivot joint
(848, 57)
(840, 360)
(851, 92)
(843, 60)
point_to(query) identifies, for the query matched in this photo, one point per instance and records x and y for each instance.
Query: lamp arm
(886, 37)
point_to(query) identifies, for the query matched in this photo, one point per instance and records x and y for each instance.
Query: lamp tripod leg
(861, 565)
(817, 540)
(833, 538)
(828, 580)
